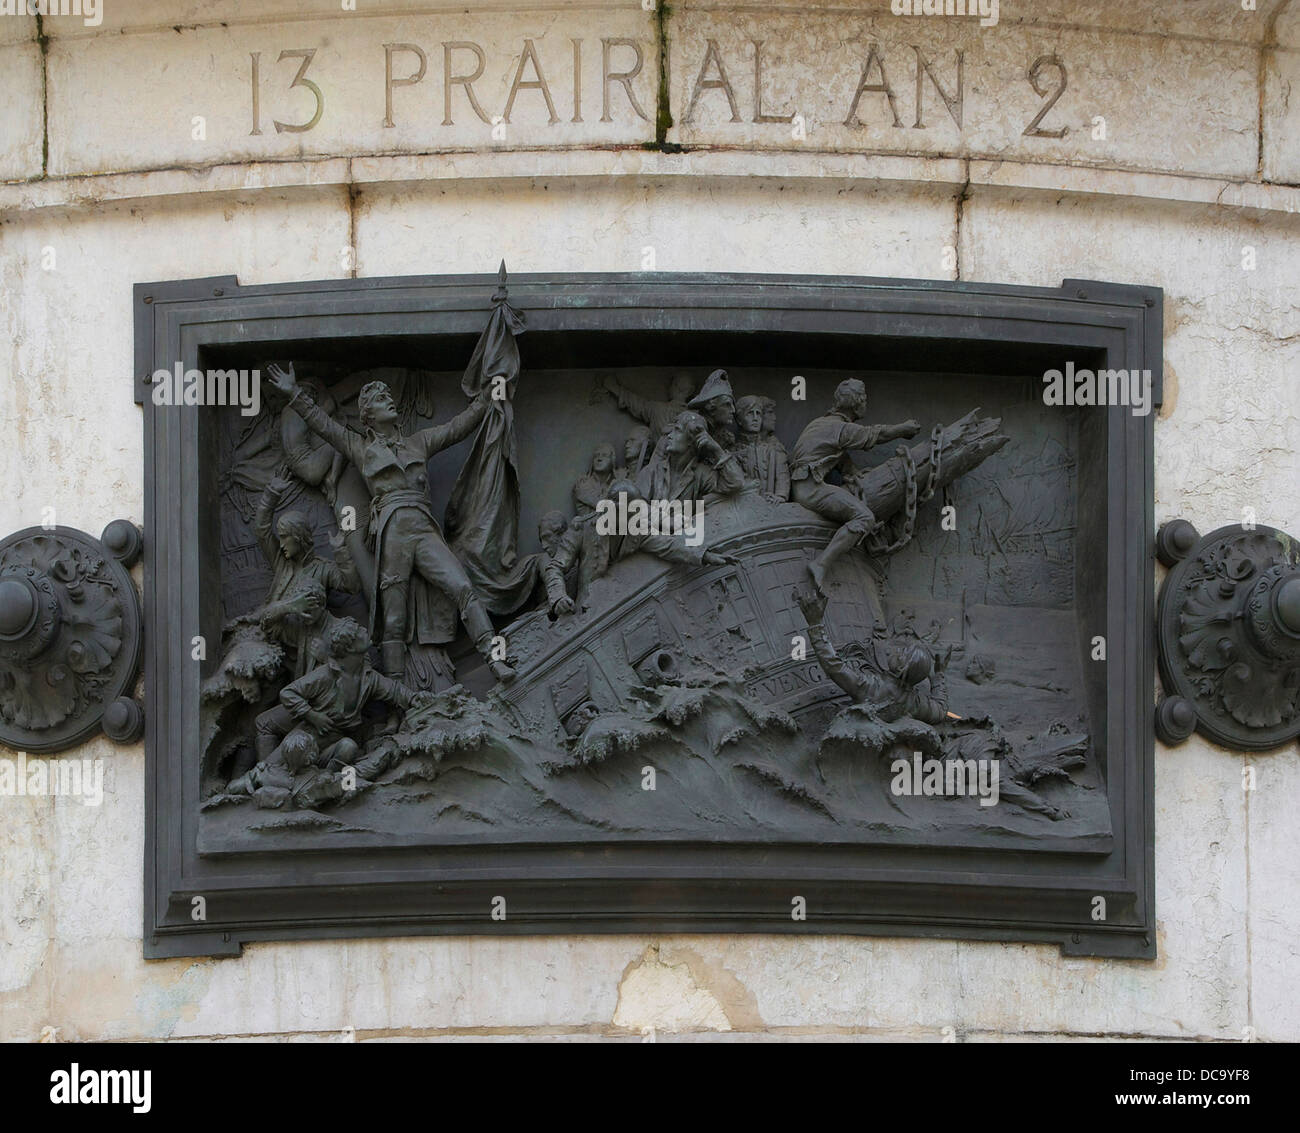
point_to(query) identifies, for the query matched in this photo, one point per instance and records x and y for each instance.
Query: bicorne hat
(716, 384)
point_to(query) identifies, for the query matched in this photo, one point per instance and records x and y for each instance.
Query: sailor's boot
(476, 622)
(499, 669)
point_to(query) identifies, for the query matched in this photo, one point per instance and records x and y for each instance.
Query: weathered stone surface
(26, 909)
(1281, 115)
(1227, 22)
(663, 993)
(832, 228)
(1274, 896)
(186, 97)
(408, 986)
(21, 128)
(1183, 102)
(580, 168)
(1197, 111)
(17, 29)
(96, 845)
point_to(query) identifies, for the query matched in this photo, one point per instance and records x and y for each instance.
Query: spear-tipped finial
(500, 293)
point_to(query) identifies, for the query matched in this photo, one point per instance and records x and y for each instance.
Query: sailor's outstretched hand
(282, 379)
(812, 603)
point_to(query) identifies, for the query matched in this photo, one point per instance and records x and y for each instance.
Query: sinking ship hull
(647, 619)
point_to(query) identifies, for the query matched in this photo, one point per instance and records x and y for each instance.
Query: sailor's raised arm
(347, 442)
(642, 408)
(438, 437)
(855, 436)
(813, 605)
(726, 477)
(264, 517)
(868, 436)
(901, 431)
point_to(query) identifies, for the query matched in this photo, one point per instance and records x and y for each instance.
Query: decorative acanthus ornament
(1229, 630)
(70, 637)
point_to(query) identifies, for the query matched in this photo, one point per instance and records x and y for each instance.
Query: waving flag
(482, 518)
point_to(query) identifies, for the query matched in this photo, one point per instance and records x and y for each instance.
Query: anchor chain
(876, 544)
(936, 461)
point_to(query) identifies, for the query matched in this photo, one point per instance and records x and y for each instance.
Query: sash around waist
(384, 505)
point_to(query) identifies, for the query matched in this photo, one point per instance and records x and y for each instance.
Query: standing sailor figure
(592, 485)
(762, 457)
(637, 448)
(407, 537)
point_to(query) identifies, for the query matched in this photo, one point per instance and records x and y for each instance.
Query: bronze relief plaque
(568, 603)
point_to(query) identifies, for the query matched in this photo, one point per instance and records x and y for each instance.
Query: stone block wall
(1193, 186)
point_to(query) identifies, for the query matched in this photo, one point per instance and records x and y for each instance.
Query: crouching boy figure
(329, 702)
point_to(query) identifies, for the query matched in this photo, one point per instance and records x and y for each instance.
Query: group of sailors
(695, 445)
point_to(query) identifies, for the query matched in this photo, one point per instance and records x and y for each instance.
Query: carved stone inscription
(608, 83)
(453, 84)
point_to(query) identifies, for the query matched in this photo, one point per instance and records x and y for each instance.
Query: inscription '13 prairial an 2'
(734, 85)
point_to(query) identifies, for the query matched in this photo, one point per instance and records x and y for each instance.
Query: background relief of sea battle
(434, 631)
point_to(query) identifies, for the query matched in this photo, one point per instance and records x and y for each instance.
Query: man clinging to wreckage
(822, 448)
